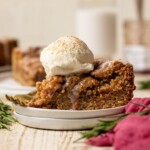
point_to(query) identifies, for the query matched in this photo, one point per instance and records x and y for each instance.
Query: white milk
(97, 27)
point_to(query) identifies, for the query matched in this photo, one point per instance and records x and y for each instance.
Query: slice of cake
(110, 84)
(26, 66)
(9, 45)
(2, 54)
(6, 48)
(76, 81)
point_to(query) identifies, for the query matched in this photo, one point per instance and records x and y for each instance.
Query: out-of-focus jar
(96, 25)
(137, 44)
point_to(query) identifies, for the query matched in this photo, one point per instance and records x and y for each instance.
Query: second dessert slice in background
(26, 66)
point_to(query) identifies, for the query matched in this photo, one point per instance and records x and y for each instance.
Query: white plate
(9, 86)
(59, 124)
(68, 114)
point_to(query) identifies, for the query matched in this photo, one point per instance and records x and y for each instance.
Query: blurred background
(111, 28)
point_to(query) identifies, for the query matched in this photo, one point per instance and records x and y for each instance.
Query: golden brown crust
(102, 88)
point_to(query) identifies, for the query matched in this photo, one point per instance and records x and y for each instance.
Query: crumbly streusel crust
(110, 84)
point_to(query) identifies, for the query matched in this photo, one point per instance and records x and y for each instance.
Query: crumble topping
(109, 87)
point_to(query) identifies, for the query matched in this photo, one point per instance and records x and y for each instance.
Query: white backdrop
(37, 22)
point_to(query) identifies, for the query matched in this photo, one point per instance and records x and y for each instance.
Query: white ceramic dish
(67, 114)
(9, 86)
(59, 124)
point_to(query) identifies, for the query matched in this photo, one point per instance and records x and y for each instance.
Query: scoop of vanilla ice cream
(65, 56)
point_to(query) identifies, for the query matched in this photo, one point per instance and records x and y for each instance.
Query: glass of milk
(97, 27)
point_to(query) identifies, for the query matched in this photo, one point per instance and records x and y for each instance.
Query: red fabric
(102, 140)
(131, 133)
(131, 107)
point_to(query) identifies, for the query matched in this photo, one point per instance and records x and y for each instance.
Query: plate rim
(70, 110)
(67, 119)
(56, 123)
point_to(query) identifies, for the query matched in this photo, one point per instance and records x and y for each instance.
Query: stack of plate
(63, 119)
(50, 118)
